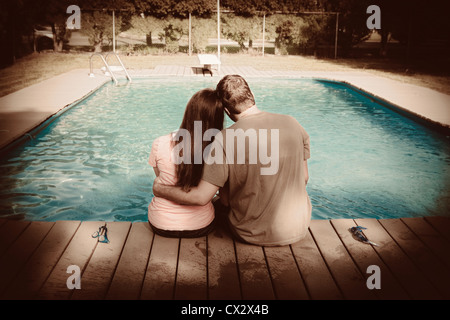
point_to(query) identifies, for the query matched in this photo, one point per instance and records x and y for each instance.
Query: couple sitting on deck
(259, 203)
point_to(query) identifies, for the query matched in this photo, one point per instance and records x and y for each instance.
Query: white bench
(207, 60)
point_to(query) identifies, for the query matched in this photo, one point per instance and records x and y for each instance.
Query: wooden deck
(413, 256)
(189, 71)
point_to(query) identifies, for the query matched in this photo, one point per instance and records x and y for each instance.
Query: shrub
(202, 29)
(97, 27)
(172, 32)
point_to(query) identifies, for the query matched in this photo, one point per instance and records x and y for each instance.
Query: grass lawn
(40, 66)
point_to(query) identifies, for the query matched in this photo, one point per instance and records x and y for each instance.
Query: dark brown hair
(206, 107)
(234, 92)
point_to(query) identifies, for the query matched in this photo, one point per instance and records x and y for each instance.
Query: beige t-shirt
(268, 201)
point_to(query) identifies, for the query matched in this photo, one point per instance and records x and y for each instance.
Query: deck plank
(432, 268)
(253, 272)
(3, 221)
(364, 255)
(398, 262)
(172, 70)
(9, 232)
(344, 271)
(97, 276)
(412, 255)
(19, 252)
(187, 71)
(129, 276)
(223, 276)
(287, 281)
(158, 70)
(232, 70)
(39, 266)
(318, 280)
(180, 71)
(159, 281)
(430, 237)
(191, 281)
(441, 224)
(78, 253)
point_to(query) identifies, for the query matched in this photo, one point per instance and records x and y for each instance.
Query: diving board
(207, 60)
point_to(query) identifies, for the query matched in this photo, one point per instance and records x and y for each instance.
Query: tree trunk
(384, 42)
(149, 39)
(58, 40)
(250, 45)
(98, 47)
(55, 38)
(34, 43)
(98, 41)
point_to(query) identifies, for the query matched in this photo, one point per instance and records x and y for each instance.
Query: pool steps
(109, 69)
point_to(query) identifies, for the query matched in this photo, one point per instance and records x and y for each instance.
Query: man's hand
(198, 196)
(157, 187)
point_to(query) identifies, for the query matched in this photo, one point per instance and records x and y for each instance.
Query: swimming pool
(91, 162)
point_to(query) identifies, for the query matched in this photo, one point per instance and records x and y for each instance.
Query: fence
(299, 33)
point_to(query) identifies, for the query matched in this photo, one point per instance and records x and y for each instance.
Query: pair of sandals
(101, 234)
(358, 234)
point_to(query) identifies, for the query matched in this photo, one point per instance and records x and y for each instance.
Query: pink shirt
(168, 215)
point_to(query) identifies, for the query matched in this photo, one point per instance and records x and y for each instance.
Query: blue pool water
(91, 162)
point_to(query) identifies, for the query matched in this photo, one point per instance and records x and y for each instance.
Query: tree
(176, 8)
(53, 13)
(199, 8)
(108, 5)
(286, 29)
(14, 22)
(317, 30)
(285, 37)
(171, 11)
(145, 25)
(253, 7)
(352, 21)
(202, 29)
(172, 32)
(156, 8)
(241, 29)
(96, 20)
(409, 21)
(301, 5)
(413, 22)
(97, 26)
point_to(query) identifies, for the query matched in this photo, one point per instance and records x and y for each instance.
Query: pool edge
(439, 127)
(29, 134)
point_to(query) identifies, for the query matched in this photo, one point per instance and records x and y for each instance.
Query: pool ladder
(108, 67)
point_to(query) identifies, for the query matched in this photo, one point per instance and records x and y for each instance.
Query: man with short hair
(265, 197)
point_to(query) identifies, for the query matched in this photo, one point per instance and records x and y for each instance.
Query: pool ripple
(91, 163)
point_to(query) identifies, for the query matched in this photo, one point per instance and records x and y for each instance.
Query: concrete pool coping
(26, 109)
